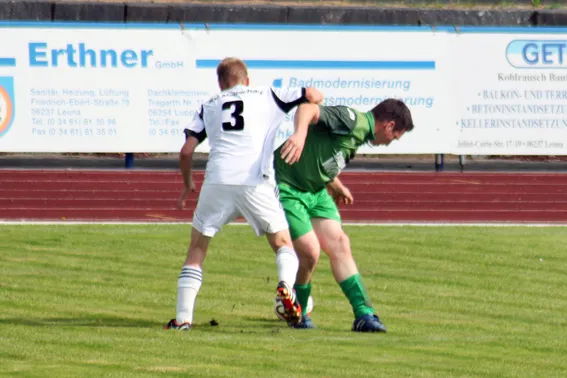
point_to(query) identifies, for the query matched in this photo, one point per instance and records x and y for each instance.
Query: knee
(280, 239)
(309, 256)
(308, 250)
(340, 247)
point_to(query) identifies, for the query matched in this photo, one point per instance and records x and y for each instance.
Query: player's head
(392, 118)
(231, 72)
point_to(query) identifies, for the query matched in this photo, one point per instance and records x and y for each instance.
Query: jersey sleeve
(340, 120)
(288, 98)
(196, 128)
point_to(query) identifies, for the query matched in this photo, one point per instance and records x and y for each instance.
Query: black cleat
(180, 327)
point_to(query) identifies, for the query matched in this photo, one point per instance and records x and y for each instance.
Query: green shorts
(300, 207)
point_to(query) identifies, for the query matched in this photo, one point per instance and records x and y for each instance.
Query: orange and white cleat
(292, 308)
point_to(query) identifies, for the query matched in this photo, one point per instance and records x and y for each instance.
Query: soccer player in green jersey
(327, 137)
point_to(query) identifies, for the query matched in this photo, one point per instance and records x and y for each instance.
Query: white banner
(91, 88)
(510, 92)
(96, 90)
(79, 87)
(358, 68)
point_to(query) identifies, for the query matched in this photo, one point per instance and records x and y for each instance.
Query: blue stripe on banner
(509, 30)
(91, 25)
(286, 27)
(7, 62)
(311, 27)
(212, 26)
(328, 64)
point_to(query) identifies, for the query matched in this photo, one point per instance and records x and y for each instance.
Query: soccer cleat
(305, 323)
(292, 308)
(368, 323)
(180, 327)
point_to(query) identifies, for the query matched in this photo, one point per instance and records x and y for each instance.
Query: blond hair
(231, 71)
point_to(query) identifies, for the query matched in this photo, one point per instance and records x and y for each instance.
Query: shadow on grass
(259, 322)
(117, 322)
(253, 325)
(87, 321)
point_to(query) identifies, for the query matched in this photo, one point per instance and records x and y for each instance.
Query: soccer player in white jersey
(241, 124)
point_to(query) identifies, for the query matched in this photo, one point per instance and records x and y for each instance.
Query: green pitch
(91, 301)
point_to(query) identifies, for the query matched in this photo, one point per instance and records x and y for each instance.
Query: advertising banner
(510, 91)
(356, 67)
(82, 87)
(133, 87)
(74, 89)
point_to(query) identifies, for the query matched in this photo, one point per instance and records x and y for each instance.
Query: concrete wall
(45, 10)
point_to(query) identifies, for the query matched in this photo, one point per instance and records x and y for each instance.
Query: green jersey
(329, 146)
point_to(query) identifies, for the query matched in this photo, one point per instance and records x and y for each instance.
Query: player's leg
(296, 205)
(261, 208)
(214, 209)
(336, 244)
(189, 281)
(287, 264)
(308, 251)
(286, 258)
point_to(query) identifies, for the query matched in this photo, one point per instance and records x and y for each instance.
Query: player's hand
(343, 195)
(184, 193)
(292, 148)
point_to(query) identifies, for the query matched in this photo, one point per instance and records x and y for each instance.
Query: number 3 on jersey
(233, 111)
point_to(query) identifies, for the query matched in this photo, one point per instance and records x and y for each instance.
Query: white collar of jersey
(237, 86)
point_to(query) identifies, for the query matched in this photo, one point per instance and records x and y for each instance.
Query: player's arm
(186, 161)
(305, 115)
(194, 134)
(288, 98)
(339, 192)
(338, 120)
(314, 96)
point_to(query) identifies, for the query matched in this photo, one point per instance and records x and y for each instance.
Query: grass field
(91, 300)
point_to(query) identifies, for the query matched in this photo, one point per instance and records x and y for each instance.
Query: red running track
(151, 196)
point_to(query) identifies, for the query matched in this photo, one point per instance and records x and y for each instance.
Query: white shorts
(221, 204)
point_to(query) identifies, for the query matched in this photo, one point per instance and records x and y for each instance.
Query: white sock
(287, 264)
(188, 286)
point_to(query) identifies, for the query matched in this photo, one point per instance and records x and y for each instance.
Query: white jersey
(241, 125)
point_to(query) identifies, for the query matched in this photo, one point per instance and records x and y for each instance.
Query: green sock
(302, 293)
(354, 290)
